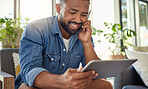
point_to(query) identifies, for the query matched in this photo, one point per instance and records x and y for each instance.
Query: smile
(74, 26)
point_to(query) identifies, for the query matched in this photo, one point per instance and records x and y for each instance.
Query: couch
(130, 79)
(7, 70)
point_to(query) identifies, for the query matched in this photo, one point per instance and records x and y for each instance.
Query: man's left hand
(85, 33)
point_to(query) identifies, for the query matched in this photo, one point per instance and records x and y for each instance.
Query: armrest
(6, 60)
(7, 80)
(128, 77)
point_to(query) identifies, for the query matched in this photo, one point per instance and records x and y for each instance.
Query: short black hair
(64, 1)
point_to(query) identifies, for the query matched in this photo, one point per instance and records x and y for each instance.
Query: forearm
(89, 52)
(46, 80)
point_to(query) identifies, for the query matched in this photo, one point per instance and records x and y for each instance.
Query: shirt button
(63, 64)
(52, 59)
(64, 50)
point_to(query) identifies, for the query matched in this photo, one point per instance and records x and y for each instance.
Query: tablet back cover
(108, 68)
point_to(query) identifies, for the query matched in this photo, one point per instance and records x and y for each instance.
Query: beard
(67, 28)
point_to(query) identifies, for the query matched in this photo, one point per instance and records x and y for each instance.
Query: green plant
(96, 32)
(115, 34)
(9, 30)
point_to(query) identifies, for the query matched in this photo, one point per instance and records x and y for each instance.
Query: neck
(64, 33)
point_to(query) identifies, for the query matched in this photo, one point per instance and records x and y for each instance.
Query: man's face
(73, 14)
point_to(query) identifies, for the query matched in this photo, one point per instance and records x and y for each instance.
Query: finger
(87, 79)
(83, 84)
(83, 75)
(80, 83)
(96, 74)
(88, 22)
(93, 76)
(87, 28)
(89, 82)
(72, 70)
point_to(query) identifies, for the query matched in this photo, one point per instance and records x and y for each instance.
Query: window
(135, 17)
(143, 14)
(143, 23)
(124, 13)
(128, 17)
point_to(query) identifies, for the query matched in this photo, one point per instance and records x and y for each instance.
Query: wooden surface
(7, 80)
(113, 57)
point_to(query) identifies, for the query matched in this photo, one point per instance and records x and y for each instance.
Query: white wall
(35, 9)
(6, 8)
(104, 11)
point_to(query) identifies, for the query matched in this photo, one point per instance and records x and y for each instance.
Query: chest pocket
(75, 59)
(75, 56)
(53, 57)
(52, 62)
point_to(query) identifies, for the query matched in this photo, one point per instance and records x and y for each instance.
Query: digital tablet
(108, 68)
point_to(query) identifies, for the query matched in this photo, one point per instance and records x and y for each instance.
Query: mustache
(75, 22)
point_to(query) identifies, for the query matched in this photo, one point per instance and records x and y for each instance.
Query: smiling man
(52, 49)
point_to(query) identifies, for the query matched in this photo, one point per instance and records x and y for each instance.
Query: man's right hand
(74, 79)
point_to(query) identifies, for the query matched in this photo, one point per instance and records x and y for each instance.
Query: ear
(58, 8)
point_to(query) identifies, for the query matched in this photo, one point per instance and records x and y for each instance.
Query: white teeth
(74, 25)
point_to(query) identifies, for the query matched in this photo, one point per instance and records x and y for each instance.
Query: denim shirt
(42, 49)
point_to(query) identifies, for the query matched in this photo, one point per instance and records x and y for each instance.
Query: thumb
(79, 69)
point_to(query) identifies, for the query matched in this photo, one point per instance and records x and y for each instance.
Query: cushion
(141, 49)
(141, 66)
(134, 87)
(16, 63)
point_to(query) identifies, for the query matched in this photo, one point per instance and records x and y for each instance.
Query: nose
(78, 18)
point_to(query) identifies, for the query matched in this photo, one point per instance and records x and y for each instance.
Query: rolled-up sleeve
(31, 75)
(31, 54)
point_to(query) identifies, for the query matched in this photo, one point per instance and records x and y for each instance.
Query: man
(52, 49)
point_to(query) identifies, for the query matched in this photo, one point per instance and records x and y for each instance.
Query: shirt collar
(56, 25)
